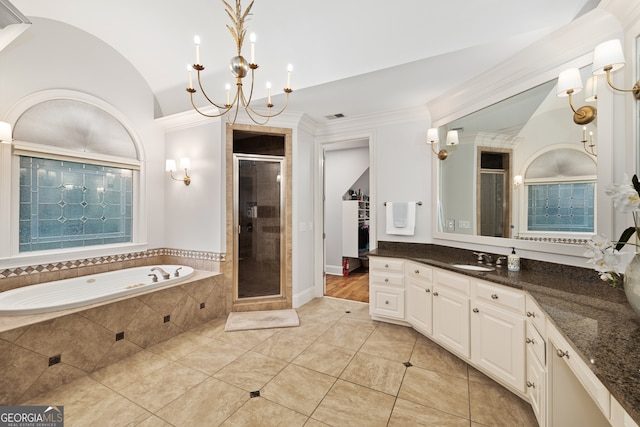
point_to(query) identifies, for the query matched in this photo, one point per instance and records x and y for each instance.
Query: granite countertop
(594, 317)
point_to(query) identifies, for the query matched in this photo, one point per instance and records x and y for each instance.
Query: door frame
(266, 303)
(319, 241)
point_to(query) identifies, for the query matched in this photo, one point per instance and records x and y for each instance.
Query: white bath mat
(246, 320)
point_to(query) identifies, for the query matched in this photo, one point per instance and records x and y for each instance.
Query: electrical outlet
(464, 224)
(451, 225)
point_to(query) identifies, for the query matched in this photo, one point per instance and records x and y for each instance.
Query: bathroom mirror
(485, 185)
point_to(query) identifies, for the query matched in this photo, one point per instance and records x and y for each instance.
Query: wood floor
(354, 287)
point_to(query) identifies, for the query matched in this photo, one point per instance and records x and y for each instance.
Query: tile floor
(338, 368)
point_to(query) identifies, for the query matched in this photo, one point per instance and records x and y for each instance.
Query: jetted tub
(85, 290)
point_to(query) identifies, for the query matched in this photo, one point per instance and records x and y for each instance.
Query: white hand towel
(400, 214)
(408, 229)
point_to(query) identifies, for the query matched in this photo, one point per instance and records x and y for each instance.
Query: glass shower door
(259, 198)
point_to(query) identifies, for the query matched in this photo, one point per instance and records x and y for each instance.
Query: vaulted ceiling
(352, 57)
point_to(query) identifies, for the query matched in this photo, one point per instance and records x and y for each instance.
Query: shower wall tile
(86, 340)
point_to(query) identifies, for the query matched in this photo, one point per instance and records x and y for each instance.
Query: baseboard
(303, 297)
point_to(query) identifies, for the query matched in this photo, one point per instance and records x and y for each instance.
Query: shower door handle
(239, 228)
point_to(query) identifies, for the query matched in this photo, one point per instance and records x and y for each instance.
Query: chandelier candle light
(240, 69)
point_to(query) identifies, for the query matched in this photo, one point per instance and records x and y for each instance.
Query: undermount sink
(473, 267)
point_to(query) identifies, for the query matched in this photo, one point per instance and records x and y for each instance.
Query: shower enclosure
(258, 221)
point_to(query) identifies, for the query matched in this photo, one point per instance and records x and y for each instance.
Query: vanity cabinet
(451, 311)
(419, 294)
(576, 396)
(386, 288)
(536, 377)
(498, 332)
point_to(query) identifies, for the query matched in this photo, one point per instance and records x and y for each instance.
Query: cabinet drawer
(536, 344)
(386, 301)
(535, 314)
(384, 278)
(454, 281)
(386, 264)
(419, 271)
(500, 296)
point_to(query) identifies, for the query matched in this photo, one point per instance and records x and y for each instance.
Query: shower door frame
(237, 157)
(270, 303)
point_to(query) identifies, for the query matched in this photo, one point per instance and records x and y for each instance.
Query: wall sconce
(517, 181)
(185, 164)
(591, 148)
(5, 133)
(608, 57)
(433, 139)
(570, 82)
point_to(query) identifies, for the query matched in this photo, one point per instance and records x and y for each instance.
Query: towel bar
(417, 203)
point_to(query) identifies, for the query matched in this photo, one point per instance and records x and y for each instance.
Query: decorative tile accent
(87, 262)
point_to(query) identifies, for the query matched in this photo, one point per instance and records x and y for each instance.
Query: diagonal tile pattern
(338, 368)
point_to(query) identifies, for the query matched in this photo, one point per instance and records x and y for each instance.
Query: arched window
(560, 188)
(78, 167)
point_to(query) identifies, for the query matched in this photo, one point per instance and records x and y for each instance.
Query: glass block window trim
(65, 204)
(563, 207)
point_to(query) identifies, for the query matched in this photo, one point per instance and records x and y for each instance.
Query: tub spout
(177, 272)
(154, 278)
(164, 274)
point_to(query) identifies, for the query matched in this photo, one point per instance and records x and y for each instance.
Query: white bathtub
(85, 290)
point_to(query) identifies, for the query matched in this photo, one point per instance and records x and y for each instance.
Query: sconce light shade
(591, 89)
(517, 181)
(607, 54)
(569, 81)
(432, 136)
(452, 137)
(5, 133)
(170, 165)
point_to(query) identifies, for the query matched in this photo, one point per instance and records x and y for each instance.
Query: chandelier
(240, 69)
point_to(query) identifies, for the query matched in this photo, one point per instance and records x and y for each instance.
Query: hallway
(354, 287)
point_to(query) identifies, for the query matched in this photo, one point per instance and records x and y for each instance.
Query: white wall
(52, 55)
(342, 170)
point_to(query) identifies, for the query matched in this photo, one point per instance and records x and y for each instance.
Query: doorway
(258, 271)
(494, 194)
(347, 218)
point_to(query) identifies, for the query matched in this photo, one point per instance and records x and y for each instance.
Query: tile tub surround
(594, 317)
(87, 338)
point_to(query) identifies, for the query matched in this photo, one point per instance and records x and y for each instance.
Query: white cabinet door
(451, 319)
(497, 343)
(419, 304)
(536, 386)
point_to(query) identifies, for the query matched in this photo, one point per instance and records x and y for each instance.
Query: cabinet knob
(475, 310)
(561, 353)
(530, 341)
(386, 302)
(494, 296)
(530, 314)
(427, 290)
(435, 294)
(386, 280)
(417, 271)
(386, 266)
(530, 384)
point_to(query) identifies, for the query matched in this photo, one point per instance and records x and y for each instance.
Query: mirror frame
(605, 132)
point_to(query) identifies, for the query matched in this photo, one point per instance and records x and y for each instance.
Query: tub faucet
(164, 274)
(153, 276)
(177, 272)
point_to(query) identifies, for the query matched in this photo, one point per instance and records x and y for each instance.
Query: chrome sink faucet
(164, 274)
(483, 258)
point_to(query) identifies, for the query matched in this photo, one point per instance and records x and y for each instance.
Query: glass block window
(66, 204)
(565, 207)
